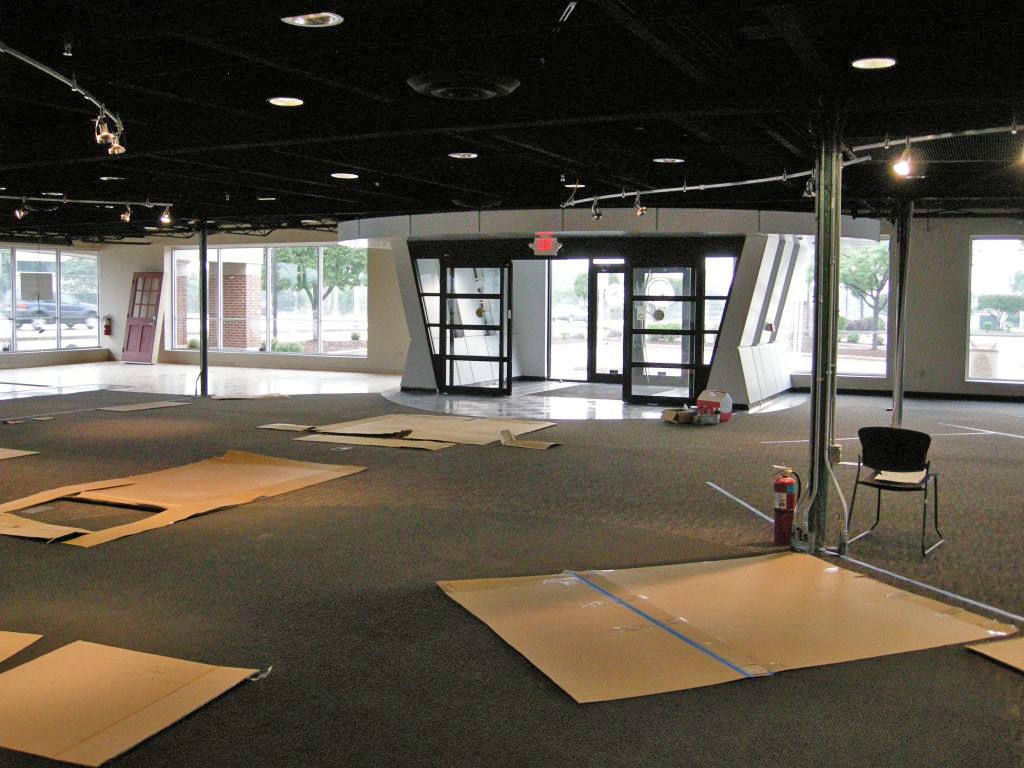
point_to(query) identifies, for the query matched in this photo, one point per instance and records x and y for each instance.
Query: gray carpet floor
(333, 586)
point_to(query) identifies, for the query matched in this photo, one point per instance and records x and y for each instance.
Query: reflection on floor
(183, 380)
(529, 400)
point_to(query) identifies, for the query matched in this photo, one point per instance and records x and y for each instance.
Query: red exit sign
(545, 244)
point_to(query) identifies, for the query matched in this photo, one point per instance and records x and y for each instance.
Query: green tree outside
(864, 271)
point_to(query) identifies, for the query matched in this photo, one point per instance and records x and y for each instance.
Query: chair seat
(896, 481)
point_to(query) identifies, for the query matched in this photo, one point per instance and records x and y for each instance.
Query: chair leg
(853, 501)
(878, 516)
(924, 518)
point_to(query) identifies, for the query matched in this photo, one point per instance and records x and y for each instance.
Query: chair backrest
(894, 450)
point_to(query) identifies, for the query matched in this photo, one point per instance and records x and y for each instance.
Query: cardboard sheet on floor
(12, 453)
(1008, 652)
(604, 635)
(174, 494)
(511, 441)
(12, 642)
(380, 442)
(87, 703)
(144, 406)
(466, 430)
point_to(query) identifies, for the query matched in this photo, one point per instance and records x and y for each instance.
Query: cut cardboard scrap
(381, 442)
(87, 703)
(144, 406)
(176, 494)
(287, 427)
(12, 642)
(12, 453)
(466, 430)
(511, 441)
(604, 635)
(1008, 652)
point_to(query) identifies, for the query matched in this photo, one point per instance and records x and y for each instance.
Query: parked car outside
(33, 313)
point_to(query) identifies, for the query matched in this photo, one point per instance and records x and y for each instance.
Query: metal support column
(903, 218)
(204, 336)
(826, 291)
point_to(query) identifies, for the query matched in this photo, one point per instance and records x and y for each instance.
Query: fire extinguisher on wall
(787, 492)
(108, 325)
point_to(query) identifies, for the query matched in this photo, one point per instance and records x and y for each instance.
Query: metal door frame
(701, 371)
(446, 359)
(592, 374)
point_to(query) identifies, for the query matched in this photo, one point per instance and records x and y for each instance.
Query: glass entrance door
(607, 292)
(663, 331)
(475, 329)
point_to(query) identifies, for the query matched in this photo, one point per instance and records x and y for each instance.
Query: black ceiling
(733, 87)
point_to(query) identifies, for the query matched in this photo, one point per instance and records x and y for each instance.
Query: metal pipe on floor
(204, 371)
(903, 219)
(823, 360)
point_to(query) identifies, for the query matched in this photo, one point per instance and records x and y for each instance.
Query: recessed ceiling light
(3, 189)
(346, 175)
(285, 101)
(152, 229)
(266, 199)
(873, 62)
(111, 178)
(669, 160)
(54, 194)
(576, 185)
(463, 155)
(320, 19)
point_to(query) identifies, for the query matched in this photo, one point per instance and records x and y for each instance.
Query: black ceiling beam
(212, 45)
(408, 133)
(613, 178)
(202, 103)
(625, 17)
(783, 19)
(390, 174)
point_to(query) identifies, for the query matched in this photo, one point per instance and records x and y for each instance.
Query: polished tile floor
(528, 399)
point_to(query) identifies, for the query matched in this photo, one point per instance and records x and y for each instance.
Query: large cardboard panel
(176, 494)
(466, 430)
(144, 406)
(595, 648)
(613, 634)
(1008, 652)
(13, 453)
(380, 442)
(87, 703)
(12, 642)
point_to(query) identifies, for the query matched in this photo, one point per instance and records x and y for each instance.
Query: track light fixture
(595, 212)
(116, 148)
(639, 208)
(165, 217)
(810, 189)
(103, 132)
(21, 211)
(126, 215)
(902, 166)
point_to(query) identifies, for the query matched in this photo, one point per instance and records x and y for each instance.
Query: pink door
(144, 305)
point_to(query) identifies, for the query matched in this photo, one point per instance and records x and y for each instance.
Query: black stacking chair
(885, 450)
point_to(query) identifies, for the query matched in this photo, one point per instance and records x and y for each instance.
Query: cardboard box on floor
(87, 703)
(465, 430)
(12, 642)
(174, 494)
(1008, 652)
(604, 635)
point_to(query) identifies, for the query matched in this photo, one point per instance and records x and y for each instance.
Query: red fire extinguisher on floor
(787, 493)
(108, 325)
